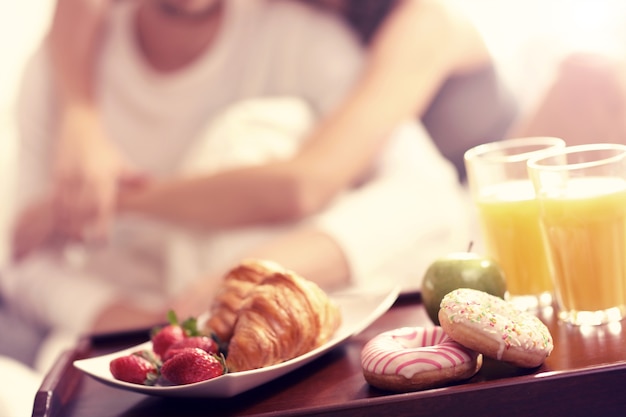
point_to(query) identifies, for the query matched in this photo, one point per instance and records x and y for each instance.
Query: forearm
(410, 205)
(311, 253)
(238, 197)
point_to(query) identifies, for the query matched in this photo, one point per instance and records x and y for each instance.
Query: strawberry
(192, 365)
(135, 368)
(165, 337)
(203, 342)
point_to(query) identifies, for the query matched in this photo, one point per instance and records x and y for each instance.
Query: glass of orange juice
(581, 191)
(509, 215)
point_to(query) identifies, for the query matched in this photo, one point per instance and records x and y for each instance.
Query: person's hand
(33, 228)
(86, 175)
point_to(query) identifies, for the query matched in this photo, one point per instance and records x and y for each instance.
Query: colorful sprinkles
(498, 319)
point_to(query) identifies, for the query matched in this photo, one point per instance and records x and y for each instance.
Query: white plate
(359, 309)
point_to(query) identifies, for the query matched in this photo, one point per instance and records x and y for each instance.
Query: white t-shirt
(294, 63)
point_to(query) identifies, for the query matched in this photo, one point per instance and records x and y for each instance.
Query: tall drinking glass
(509, 214)
(581, 191)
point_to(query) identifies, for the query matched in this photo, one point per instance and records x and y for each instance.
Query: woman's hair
(365, 16)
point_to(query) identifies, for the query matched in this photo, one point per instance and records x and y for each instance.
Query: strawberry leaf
(151, 378)
(171, 317)
(190, 326)
(150, 356)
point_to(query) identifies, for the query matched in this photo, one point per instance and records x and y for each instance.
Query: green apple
(460, 270)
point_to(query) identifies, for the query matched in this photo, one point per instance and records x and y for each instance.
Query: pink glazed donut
(415, 358)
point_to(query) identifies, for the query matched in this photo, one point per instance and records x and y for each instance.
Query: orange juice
(585, 229)
(509, 217)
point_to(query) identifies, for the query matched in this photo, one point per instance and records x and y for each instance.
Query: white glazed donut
(495, 328)
(414, 358)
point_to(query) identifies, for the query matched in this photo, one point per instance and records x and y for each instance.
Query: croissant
(283, 317)
(237, 284)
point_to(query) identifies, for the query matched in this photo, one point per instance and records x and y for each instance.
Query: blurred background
(22, 25)
(527, 37)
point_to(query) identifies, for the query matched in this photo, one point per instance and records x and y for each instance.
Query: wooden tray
(585, 375)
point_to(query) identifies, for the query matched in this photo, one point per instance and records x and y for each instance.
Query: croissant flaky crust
(283, 317)
(237, 285)
(268, 315)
